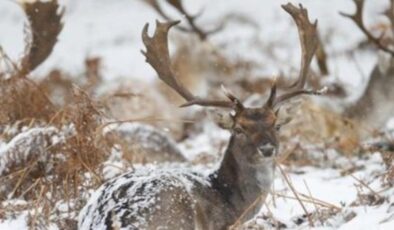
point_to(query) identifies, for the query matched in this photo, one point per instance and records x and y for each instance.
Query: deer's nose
(267, 149)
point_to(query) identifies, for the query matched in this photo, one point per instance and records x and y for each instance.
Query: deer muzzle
(267, 150)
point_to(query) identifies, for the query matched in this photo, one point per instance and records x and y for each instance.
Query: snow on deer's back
(132, 199)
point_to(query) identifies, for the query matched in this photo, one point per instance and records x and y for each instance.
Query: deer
(374, 108)
(158, 197)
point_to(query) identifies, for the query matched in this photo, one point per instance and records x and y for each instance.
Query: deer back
(150, 197)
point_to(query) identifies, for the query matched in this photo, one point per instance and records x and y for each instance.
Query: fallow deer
(168, 198)
(374, 108)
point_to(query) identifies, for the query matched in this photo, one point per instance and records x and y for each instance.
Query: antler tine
(308, 39)
(309, 42)
(389, 13)
(357, 18)
(292, 94)
(191, 19)
(157, 55)
(271, 98)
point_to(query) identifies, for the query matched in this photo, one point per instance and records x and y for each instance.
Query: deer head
(257, 125)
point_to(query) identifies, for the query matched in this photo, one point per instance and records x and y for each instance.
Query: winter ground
(335, 191)
(338, 192)
(346, 186)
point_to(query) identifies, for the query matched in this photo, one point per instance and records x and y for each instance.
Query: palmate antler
(357, 18)
(45, 25)
(157, 55)
(309, 42)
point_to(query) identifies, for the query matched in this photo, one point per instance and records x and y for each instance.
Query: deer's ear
(221, 118)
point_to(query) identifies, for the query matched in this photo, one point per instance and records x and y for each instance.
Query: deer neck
(239, 182)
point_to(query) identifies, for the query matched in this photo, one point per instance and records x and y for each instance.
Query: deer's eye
(277, 127)
(238, 129)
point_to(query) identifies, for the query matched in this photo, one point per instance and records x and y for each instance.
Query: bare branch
(321, 57)
(191, 19)
(292, 94)
(157, 55)
(357, 18)
(155, 5)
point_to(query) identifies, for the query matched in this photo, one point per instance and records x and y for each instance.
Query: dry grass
(46, 174)
(23, 100)
(53, 173)
(318, 126)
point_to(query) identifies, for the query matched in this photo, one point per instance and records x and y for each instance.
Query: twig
(295, 194)
(90, 170)
(31, 187)
(288, 153)
(311, 201)
(365, 185)
(314, 203)
(325, 203)
(25, 173)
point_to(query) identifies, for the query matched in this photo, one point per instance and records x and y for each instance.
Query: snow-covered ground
(111, 30)
(338, 192)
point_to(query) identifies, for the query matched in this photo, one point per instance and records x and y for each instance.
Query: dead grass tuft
(53, 156)
(85, 149)
(319, 126)
(22, 99)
